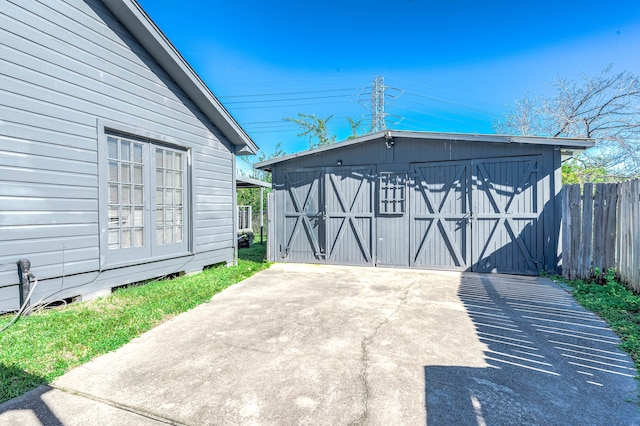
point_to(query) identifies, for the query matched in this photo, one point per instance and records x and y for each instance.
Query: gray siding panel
(65, 65)
(77, 285)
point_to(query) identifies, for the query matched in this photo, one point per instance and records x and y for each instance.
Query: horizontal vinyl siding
(63, 66)
(81, 284)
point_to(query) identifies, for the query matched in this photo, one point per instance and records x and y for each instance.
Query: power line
(289, 99)
(286, 106)
(307, 92)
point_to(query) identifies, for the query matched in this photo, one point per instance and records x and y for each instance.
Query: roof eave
(135, 19)
(577, 144)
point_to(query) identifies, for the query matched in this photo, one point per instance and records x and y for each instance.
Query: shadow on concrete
(548, 361)
(31, 401)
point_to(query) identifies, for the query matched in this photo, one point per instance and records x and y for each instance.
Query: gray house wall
(69, 73)
(394, 237)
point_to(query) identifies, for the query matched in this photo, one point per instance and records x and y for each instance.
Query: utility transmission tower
(377, 104)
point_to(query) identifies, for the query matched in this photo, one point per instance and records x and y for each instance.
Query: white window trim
(104, 128)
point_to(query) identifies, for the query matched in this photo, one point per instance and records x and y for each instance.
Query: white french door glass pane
(114, 239)
(125, 173)
(137, 153)
(126, 194)
(113, 194)
(125, 151)
(112, 148)
(138, 194)
(126, 238)
(113, 171)
(138, 218)
(137, 173)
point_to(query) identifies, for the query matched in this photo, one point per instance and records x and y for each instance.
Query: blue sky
(452, 66)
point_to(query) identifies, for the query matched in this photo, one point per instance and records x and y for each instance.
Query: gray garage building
(485, 203)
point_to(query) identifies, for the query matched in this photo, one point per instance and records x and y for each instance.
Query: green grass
(615, 304)
(45, 345)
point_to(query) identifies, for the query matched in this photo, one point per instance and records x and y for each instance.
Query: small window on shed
(392, 192)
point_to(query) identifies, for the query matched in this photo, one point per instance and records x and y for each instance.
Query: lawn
(615, 304)
(43, 346)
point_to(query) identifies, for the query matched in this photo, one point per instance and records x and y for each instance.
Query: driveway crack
(365, 357)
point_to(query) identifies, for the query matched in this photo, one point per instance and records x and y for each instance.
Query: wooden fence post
(586, 232)
(574, 217)
(611, 205)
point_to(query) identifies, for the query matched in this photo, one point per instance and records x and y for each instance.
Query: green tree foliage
(605, 108)
(575, 172)
(354, 127)
(315, 128)
(251, 196)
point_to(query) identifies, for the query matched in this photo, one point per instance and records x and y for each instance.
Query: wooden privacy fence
(601, 230)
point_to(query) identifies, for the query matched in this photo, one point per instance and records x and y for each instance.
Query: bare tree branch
(605, 107)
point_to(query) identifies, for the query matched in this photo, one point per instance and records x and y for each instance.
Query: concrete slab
(309, 344)
(51, 407)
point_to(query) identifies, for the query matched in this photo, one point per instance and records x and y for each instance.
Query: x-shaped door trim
(438, 216)
(347, 215)
(503, 210)
(302, 216)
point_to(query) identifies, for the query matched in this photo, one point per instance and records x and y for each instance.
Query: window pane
(138, 218)
(127, 216)
(126, 238)
(137, 174)
(178, 216)
(178, 234)
(114, 239)
(113, 194)
(168, 178)
(112, 144)
(160, 236)
(126, 194)
(159, 180)
(137, 153)
(160, 217)
(168, 197)
(113, 171)
(178, 180)
(125, 171)
(138, 194)
(168, 216)
(168, 235)
(113, 216)
(159, 197)
(178, 162)
(139, 240)
(168, 159)
(178, 197)
(125, 151)
(159, 160)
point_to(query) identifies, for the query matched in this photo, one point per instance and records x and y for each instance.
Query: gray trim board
(247, 182)
(577, 144)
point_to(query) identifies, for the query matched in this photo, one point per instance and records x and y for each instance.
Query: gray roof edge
(141, 26)
(578, 143)
(252, 181)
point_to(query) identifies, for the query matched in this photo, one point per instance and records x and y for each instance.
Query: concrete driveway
(308, 344)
